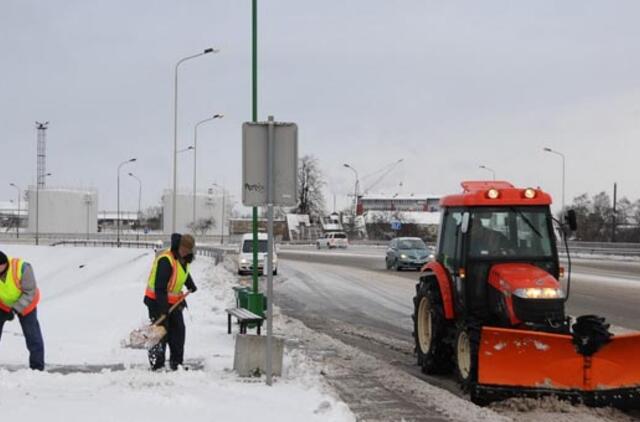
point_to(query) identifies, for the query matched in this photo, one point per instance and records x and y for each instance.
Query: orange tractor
(491, 307)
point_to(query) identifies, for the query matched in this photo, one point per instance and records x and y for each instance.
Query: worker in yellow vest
(169, 275)
(19, 295)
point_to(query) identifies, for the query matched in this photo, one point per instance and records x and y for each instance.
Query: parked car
(407, 252)
(245, 254)
(333, 240)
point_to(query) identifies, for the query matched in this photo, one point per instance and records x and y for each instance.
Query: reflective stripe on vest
(179, 276)
(11, 288)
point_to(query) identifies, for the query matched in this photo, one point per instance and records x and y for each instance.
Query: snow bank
(92, 299)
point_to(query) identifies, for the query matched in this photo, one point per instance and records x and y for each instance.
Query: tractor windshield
(514, 232)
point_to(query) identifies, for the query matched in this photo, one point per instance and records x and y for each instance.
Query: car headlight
(539, 293)
(244, 261)
(403, 256)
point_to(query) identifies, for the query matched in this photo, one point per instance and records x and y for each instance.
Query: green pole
(254, 54)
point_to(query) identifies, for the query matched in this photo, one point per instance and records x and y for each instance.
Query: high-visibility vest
(11, 289)
(179, 276)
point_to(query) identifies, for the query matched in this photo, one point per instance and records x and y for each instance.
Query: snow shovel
(150, 335)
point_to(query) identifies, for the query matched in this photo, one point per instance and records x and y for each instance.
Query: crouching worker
(19, 295)
(169, 274)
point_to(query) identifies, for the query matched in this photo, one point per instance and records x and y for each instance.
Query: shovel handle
(174, 306)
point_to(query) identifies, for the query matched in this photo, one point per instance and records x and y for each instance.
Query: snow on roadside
(92, 298)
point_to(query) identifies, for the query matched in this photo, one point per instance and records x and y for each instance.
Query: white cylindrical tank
(63, 210)
(208, 206)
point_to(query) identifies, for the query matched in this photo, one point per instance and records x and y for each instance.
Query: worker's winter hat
(188, 242)
(3, 258)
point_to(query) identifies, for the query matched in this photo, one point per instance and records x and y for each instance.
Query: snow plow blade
(513, 363)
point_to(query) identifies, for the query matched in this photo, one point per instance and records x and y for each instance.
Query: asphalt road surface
(603, 287)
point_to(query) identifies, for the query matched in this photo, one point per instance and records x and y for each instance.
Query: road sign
(255, 163)
(396, 225)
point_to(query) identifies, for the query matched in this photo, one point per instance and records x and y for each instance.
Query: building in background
(389, 216)
(62, 210)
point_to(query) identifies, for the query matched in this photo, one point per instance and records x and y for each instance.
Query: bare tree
(202, 226)
(310, 184)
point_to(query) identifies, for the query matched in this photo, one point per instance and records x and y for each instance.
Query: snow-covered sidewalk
(92, 299)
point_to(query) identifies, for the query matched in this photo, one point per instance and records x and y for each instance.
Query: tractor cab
(498, 245)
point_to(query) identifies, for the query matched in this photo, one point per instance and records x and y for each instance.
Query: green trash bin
(242, 296)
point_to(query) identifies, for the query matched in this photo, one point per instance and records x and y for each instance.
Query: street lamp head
(12, 184)
(547, 149)
(210, 50)
(49, 174)
(132, 160)
(131, 174)
(218, 116)
(346, 165)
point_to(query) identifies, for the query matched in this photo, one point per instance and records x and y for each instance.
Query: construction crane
(384, 172)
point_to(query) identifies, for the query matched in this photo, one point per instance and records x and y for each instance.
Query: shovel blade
(145, 337)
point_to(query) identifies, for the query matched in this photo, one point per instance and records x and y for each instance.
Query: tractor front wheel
(466, 344)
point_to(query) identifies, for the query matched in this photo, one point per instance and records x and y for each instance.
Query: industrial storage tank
(209, 205)
(63, 210)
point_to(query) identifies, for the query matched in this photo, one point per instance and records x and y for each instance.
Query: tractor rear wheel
(430, 330)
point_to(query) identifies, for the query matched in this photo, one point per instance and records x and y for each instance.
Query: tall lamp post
(489, 169)
(547, 149)
(195, 161)
(38, 208)
(355, 192)
(139, 198)
(175, 130)
(131, 160)
(18, 215)
(222, 213)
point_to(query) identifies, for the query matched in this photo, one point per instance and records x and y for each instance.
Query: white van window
(247, 246)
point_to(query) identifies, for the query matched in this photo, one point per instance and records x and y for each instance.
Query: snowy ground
(92, 298)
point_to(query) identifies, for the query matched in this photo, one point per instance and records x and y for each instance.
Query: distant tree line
(596, 222)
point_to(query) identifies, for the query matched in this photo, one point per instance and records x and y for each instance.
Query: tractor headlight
(493, 194)
(539, 293)
(529, 193)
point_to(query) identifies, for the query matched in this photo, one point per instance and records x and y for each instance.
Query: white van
(245, 254)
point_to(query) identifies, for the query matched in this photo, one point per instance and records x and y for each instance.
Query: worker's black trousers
(175, 339)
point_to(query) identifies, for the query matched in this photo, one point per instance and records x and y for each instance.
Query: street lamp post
(139, 198)
(547, 149)
(38, 207)
(18, 215)
(195, 161)
(489, 169)
(131, 160)
(222, 212)
(175, 130)
(355, 192)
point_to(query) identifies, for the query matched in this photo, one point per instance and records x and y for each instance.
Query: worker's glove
(193, 289)
(7, 316)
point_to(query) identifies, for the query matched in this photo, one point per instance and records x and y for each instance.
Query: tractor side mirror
(571, 220)
(464, 225)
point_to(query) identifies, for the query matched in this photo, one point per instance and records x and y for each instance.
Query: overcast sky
(446, 85)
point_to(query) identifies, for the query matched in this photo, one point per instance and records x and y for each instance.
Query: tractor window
(449, 236)
(512, 232)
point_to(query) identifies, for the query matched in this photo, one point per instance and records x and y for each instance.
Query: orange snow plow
(491, 306)
(529, 363)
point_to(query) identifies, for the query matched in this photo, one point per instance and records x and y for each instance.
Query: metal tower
(42, 153)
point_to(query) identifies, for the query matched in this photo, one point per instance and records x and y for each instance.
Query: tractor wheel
(465, 348)
(430, 330)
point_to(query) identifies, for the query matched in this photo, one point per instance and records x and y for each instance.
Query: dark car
(407, 252)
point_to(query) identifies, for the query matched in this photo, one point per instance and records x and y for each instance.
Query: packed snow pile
(91, 301)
